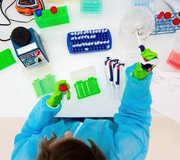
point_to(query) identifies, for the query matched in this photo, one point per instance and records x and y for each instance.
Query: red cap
(118, 67)
(149, 69)
(167, 15)
(53, 9)
(145, 60)
(176, 21)
(63, 87)
(179, 14)
(160, 15)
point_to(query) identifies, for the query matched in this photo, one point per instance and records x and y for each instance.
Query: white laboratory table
(17, 96)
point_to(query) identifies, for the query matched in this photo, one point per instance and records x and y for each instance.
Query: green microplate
(44, 86)
(6, 59)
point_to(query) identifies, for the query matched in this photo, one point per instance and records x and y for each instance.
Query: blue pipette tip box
(89, 41)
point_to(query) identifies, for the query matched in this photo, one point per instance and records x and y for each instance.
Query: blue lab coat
(124, 138)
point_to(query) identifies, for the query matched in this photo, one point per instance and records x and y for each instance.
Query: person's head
(68, 148)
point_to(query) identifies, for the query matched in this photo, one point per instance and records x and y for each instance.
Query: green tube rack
(87, 88)
(48, 19)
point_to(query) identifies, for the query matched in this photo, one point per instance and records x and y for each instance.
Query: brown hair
(69, 149)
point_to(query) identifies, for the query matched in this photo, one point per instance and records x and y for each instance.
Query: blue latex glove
(134, 84)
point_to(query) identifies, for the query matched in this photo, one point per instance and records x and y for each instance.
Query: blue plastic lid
(38, 12)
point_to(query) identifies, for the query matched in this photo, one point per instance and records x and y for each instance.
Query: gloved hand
(142, 70)
(148, 55)
(62, 87)
(139, 73)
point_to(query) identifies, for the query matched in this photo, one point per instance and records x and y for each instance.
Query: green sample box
(87, 88)
(51, 17)
(44, 86)
(6, 59)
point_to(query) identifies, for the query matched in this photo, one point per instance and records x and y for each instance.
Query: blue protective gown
(125, 138)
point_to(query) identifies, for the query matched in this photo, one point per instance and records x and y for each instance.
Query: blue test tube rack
(89, 41)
